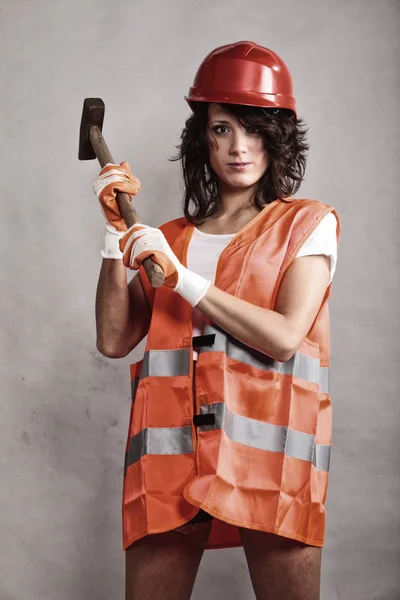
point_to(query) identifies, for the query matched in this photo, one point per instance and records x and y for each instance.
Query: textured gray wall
(64, 408)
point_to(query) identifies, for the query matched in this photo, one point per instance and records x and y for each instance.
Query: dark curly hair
(285, 142)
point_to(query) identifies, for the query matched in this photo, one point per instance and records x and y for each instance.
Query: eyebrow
(221, 121)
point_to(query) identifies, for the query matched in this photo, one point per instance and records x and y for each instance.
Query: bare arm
(277, 333)
(122, 311)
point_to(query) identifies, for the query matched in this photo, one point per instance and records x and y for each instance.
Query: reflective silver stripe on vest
(166, 363)
(300, 365)
(322, 457)
(159, 440)
(324, 379)
(265, 436)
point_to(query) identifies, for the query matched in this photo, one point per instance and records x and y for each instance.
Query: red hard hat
(243, 73)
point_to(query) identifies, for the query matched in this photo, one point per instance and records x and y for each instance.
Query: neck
(233, 201)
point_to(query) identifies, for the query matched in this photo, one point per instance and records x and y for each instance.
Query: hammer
(92, 145)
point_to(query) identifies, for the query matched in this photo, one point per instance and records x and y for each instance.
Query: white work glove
(141, 241)
(113, 179)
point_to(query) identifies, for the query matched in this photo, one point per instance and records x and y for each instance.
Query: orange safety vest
(252, 445)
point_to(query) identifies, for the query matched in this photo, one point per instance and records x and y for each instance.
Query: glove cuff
(191, 287)
(111, 243)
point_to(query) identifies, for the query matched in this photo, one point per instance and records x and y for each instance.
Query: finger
(136, 231)
(125, 165)
(115, 173)
(138, 226)
(149, 235)
(126, 240)
(161, 259)
(112, 173)
(108, 167)
(105, 183)
(134, 247)
(143, 243)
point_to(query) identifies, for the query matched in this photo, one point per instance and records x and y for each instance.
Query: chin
(241, 182)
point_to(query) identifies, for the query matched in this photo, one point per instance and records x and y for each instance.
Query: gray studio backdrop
(64, 407)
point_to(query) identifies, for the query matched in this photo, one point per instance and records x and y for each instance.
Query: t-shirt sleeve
(323, 241)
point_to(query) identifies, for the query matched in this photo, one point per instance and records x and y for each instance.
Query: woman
(230, 429)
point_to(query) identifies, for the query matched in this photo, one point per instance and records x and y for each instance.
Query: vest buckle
(204, 419)
(203, 340)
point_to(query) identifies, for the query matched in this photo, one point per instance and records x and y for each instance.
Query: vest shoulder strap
(172, 229)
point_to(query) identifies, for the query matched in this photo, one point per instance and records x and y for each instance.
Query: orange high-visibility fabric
(264, 465)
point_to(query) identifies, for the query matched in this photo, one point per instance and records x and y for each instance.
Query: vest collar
(245, 235)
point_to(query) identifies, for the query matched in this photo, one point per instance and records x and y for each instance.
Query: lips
(239, 166)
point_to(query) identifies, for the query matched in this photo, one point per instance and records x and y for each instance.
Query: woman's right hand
(113, 179)
(123, 312)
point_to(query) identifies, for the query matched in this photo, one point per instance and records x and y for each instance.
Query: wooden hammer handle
(125, 204)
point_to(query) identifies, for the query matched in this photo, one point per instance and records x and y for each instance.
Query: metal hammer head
(92, 114)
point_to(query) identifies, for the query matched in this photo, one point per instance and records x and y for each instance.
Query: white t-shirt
(205, 248)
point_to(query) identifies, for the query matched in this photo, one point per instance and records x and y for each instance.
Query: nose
(238, 143)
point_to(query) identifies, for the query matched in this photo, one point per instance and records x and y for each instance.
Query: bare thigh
(164, 565)
(281, 568)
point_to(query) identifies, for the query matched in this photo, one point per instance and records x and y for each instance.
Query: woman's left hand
(141, 242)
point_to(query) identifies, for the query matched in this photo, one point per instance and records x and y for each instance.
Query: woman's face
(237, 155)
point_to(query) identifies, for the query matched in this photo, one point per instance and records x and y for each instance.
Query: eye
(220, 129)
(253, 131)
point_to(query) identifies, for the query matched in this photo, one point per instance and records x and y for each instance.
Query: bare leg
(280, 568)
(164, 565)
